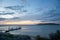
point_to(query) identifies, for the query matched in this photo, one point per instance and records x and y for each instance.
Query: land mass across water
(48, 24)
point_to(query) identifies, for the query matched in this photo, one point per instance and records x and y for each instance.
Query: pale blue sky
(43, 10)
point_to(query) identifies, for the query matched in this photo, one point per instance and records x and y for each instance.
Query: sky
(29, 10)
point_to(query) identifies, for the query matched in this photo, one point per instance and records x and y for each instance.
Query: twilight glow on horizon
(29, 11)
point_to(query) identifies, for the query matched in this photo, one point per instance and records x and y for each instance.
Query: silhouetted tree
(37, 37)
(55, 36)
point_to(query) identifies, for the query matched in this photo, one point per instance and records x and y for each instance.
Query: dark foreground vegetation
(7, 36)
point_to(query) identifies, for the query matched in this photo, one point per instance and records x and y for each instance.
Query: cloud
(52, 15)
(17, 7)
(25, 22)
(7, 16)
(58, 4)
(46, 12)
(2, 19)
(6, 13)
(17, 12)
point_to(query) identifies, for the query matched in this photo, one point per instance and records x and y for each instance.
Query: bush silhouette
(40, 38)
(55, 36)
(37, 37)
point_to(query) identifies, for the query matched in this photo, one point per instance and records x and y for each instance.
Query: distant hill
(48, 24)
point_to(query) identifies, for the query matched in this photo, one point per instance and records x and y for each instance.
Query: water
(42, 30)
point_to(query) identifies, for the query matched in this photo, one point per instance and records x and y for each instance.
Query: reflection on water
(42, 30)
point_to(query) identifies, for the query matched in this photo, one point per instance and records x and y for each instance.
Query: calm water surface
(42, 30)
